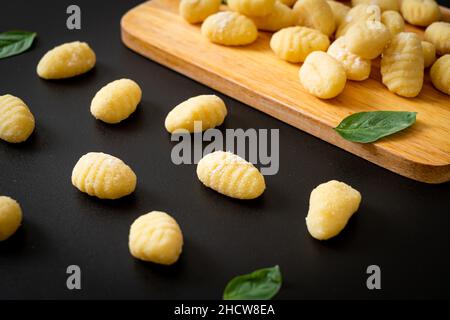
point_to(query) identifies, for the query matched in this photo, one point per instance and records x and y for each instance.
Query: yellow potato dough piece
(340, 10)
(195, 11)
(402, 65)
(103, 176)
(156, 237)
(383, 4)
(294, 44)
(331, 205)
(393, 21)
(254, 8)
(230, 29)
(440, 74)
(438, 33)
(210, 110)
(289, 3)
(421, 12)
(281, 17)
(67, 60)
(116, 101)
(230, 175)
(16, 120)
(429, 53)
(322, 76)
(361, 12)
(10, 217)
(356, 68)
(315, 14)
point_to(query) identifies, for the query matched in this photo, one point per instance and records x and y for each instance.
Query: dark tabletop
(402, 225)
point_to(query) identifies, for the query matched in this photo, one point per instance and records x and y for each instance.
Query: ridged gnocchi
(331, 205)
(438, 33)
(230, 175)
(230, 29)
(103, 176)
(254, 8)
(156, 237)
(339, 10)
(429, 53)
(322, 76)
(116, 101)
(210, 110)
(16, 120)
(10, 217)
(383, 4)
(402, 65)
(195, 11)
(421, 12)
(356, 68)
(66, 60)
(315, 14)
(294, 44)
(281, 17)
(440, 74)
(361, 12)
(393, 21)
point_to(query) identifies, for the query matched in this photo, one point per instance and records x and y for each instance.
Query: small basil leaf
(366, 127)
(15, 42)
(262, 284)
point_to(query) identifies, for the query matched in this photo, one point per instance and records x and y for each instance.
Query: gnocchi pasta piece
(66, 60)
(356, 68)
(103, 176)
(16, 120)
(281, 17)
(440, 74)
(289, 3)
(421, 12)
(361, 12)
(210, 110)
(429, 53)
(156, 237)
(315, 14)
(230, 175)
(195, 11)
(116, 101)
(294, 44)
(10, 217)
(331, 205)
(383, 4)
(322, 76)
(402, 65)
(339, 10)
(230, 29)
(254, 8)
(393, 21)
(438, 33)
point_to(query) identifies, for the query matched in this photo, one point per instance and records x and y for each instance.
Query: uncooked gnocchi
(393, 21)
(421, 12)
(10, 217)
(156, 237)
(356, 68)
(294, 44)
(402, 65)
(440, 74)
(438, 33)
(254, 8)
(429, 53)
(210, 110)
(340, 10)
(16, 120)
(230, 29)
(195, 11)
(230, 175)
(361, 12)
(281, 17)
(315, 14)
(383, 4)
(103, 176)
(67, 60)
(331, 205)
(322, 76)
(116, 101)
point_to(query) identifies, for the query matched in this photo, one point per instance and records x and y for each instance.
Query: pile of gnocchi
(335, 42)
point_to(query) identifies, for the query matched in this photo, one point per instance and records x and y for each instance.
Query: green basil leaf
(262, 284)
(366, 127)
(15, 42)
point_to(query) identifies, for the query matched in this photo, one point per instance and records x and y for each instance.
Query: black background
(402, 225)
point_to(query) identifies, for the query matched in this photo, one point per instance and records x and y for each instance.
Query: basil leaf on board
(262, 284)
(366, 127)
(15, 42)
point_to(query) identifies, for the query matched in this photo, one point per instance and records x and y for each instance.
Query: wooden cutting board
(253, 75)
